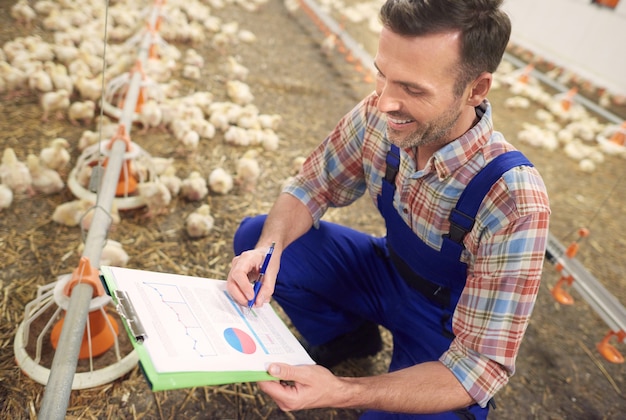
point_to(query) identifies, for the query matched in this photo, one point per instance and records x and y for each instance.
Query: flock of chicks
(562, 122)
(67, 77)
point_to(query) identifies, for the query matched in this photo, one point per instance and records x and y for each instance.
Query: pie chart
(239, 340)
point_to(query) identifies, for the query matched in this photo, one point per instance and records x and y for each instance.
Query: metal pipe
(59, 385)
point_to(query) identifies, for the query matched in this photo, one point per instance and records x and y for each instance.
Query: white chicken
(157, 197)
(170, 180)
(248, 171)
(14, 173)
(81, 112)
(55, 101)
(220, 181)
(199, 223)
(239, 92)
(236, 70)
(150, 115)
(44, 179)
(6, 197)
(70, 213)
(194, 187)
(113, 254)
(23, 13)
(56, 156)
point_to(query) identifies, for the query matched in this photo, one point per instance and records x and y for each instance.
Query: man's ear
(480, 88)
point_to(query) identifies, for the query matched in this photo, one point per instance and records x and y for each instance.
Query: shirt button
(405, 211)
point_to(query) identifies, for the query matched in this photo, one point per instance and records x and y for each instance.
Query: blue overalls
(334, 278)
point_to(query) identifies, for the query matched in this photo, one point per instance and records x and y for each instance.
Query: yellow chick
(248, 171)
(199, 223)
(56, 156)
(14, 173)
(220, 181)
(194, 187)
(55, 101)
(81, 111)
(157, 197)
(71, 212)
(6, 197)
(44, 179)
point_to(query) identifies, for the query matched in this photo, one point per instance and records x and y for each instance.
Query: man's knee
(247, 234)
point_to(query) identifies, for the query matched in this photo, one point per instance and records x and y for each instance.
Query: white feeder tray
(92, 157)
(48, 296)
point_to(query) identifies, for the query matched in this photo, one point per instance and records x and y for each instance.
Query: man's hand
(303, 387)
(245, 270)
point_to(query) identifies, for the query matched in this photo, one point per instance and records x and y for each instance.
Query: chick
(23, 13)
(56, 156)
(171, 181)
(236, 70)
(44, 179)
(71, 212)
(6, 197)
(220, 181)
(239, 92)
(194, 187)
(113, 254)
(248, 171)
(157, 197)
(81, 111)
(55, 101)
(199, 223)
(14, 173)
(40, 82)
(150, 115)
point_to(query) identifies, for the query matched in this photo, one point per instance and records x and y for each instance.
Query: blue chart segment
(239, 340)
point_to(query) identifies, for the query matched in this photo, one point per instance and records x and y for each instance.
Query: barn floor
(560, 375)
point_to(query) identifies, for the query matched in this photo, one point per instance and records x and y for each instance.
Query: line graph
(174, 300)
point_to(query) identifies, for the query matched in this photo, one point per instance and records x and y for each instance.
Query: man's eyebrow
(411, 85)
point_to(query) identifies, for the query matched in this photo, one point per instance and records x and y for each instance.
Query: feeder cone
(525, 76)
(127, 184)
(101, 333)
(566, 102)
(619, 137)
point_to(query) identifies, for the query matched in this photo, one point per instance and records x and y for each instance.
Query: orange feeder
(558, 293)
(102, 329)
(619, 137)
(127, 183)
(608, 351)
(566, 102)
(524, 77)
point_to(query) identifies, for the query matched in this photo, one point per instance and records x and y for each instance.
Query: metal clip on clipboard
(127, 311)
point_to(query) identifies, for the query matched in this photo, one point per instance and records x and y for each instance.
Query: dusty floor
(560, 374)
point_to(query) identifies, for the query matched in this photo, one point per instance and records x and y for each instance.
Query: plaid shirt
(504, 251)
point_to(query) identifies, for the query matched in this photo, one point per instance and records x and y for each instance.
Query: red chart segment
(239, 340)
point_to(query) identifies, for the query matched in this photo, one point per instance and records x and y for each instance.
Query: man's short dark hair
(485, 29)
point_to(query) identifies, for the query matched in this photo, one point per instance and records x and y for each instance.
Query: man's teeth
(395, 121)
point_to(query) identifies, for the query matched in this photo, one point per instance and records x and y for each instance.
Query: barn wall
(583, 37)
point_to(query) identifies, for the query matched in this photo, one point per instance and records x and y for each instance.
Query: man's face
(415, 85)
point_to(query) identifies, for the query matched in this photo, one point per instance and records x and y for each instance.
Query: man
(455, 294)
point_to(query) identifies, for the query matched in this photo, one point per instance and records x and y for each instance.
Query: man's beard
(436, 131)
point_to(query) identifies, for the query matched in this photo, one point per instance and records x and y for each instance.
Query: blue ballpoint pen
(257, 283)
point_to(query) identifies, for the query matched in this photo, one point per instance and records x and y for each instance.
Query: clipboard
(189, 332)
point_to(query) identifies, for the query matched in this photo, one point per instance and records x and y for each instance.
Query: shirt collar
(458, 152)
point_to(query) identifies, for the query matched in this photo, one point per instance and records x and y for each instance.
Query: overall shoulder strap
(463, 215)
